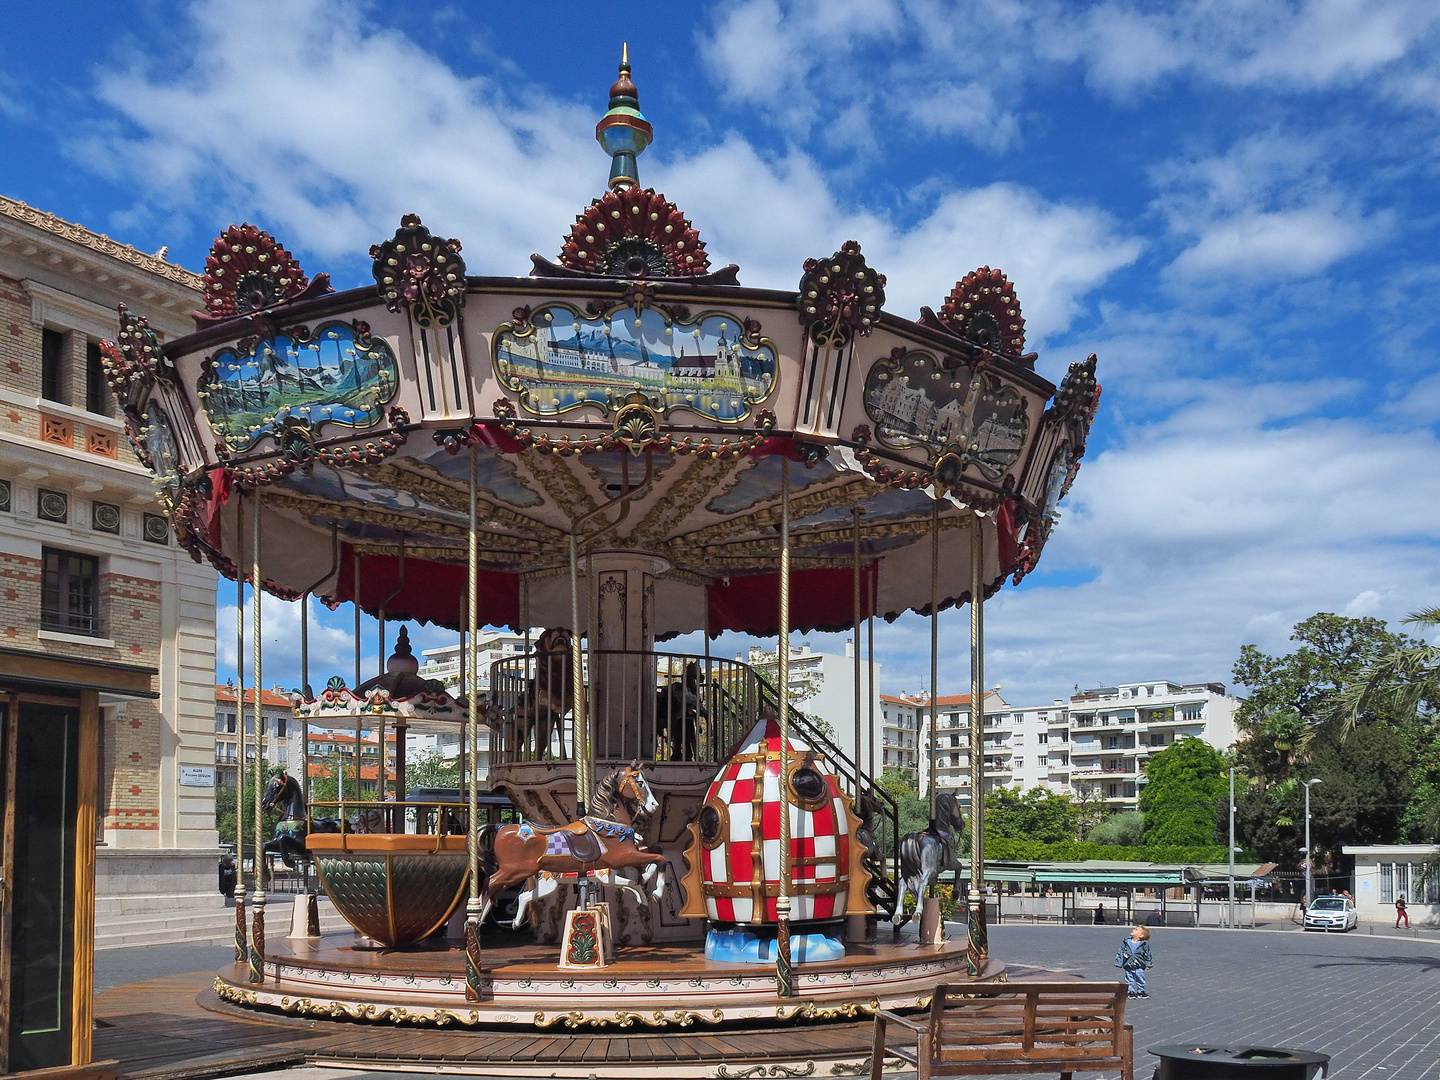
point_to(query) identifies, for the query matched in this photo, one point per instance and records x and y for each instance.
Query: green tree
(1126, 829)
(1179, 802)
(1402, 682)
(1291, 727)
(1043, 816)
(914, 812)
(431, 769)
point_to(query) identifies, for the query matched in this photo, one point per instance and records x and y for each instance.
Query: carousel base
(340, 976)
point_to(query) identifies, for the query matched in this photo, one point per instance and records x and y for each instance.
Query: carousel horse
(289, 841)
(678, 707)
(866, 809)
(547, 696)
(605, 841)
(927, 854)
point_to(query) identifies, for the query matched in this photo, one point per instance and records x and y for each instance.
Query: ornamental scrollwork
(840, 296)
(421, 272)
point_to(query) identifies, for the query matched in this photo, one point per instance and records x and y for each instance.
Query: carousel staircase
(123, 922)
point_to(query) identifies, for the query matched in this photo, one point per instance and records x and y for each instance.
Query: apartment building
(1094, 746)
(443, 665)
(278, 727)
(89, 572)
(1114, 730)
(332, 753)
(823, 685)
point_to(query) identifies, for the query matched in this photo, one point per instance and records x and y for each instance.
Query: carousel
(623, 446)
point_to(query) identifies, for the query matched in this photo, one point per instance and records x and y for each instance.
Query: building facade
(1093, 747)
(88, 569)
(1114, 730)
(1386, 872)
(823, 685)
(279, 729)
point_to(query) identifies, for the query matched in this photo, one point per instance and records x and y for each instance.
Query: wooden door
(41, 860)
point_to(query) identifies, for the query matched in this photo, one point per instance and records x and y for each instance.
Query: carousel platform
(178, 1028)
(341, 976)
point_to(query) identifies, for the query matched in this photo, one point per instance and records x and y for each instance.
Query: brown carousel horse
(547, 696)
(605, 841)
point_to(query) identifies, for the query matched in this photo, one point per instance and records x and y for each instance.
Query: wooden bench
(1014, 1027)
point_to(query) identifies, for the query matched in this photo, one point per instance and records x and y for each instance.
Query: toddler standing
(1134, 959)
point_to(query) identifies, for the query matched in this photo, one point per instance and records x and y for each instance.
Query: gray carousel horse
(927, 854)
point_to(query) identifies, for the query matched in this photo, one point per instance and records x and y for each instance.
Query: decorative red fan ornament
(634, 234)
(983, 309)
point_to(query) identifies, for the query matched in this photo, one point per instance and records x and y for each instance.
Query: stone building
(88, 569)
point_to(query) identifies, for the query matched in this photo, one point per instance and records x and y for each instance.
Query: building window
(1019, 763)
(282, 727)
(282, 755)
(1043, 737)
(52, 366)
(70, 594)
(1193, 712)
(94, 379)
(1114, 791)
(5, 496)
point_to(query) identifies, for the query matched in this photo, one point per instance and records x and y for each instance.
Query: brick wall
(133, 745)
(19, 341)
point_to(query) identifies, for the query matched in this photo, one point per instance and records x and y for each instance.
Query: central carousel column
(622, 655)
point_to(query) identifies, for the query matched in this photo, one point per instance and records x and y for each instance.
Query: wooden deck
(175, 1028)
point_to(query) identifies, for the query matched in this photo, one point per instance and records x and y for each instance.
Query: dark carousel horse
(547, 696)
(289, 841)
(605, 841)
(927, 854)
(678, 709)
(867, 807)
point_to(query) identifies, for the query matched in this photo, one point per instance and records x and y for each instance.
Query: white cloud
(963, 66)
(334, 176)
(1266, 206)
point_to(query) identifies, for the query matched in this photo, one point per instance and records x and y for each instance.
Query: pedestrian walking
(1401, 913)
(1134, 958)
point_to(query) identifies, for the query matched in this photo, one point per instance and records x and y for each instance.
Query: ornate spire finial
(623, 131)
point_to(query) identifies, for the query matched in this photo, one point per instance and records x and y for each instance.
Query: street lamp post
(1309, 863)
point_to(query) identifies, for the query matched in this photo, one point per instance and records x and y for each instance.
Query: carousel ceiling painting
(622, 364)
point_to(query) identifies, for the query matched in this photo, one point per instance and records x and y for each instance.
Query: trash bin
(1191, 1062)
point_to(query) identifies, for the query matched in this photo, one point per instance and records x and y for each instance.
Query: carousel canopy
(626, 391)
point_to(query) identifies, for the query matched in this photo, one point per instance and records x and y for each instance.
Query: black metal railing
(654, 706)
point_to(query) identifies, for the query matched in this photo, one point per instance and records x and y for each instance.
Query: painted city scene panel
(565, 359)
(338, 374)
(915, 401)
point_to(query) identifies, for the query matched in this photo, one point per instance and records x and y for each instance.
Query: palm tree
(1396, 684)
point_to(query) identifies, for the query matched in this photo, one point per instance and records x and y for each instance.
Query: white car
(1331, 913)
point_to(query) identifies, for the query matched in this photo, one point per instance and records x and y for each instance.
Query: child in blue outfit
(1134, 959)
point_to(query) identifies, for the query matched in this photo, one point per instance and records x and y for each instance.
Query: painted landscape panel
(565, 359)
(338, 374)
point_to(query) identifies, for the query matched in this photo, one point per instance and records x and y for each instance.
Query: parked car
(1331, 913)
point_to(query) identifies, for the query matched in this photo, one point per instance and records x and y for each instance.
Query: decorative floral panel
(560, 359)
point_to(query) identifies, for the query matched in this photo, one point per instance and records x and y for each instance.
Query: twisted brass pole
(242, 929)
(474, 976)
(784, 977)
(257, 932)
(978, 946)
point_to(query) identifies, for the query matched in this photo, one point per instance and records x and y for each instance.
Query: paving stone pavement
(1372, 1003)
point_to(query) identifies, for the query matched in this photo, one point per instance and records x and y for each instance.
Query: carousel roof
(627, 381)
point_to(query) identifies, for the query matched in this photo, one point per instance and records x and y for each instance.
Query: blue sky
(1233, 203)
